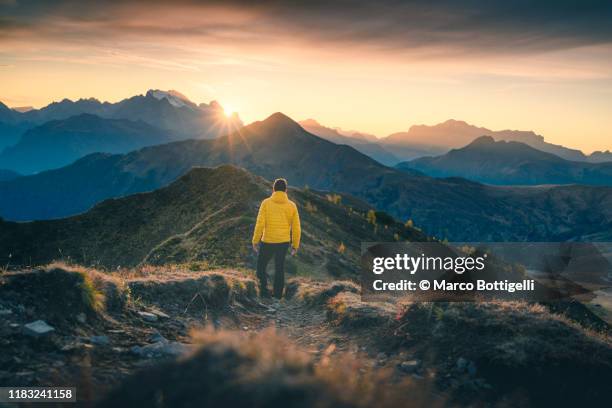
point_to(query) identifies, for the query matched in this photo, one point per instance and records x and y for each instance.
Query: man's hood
(279, 197)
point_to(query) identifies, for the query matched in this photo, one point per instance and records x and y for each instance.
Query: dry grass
(102, 290)
(348, 311)
(58, 293)
(317, 293)
(210, 290)
(265, 370)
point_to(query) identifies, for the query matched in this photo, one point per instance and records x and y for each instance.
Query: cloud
(443, 27)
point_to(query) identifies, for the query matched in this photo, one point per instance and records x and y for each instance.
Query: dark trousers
(267, 252)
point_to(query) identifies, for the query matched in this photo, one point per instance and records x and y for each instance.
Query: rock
(69, 346)
(149, 317)
(160, 314)
(5, 312)
(471, 368)
(462, 364)
(81, 318)
(381, 356)
(99, 340)
(160, 349)
(410, 366)
(37, 328)
(116, 331)
(157, 338)
(245, 328)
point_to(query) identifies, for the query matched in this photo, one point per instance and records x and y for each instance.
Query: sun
(228, 110)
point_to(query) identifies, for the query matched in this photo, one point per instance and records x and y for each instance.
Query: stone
(161, 349)
(81, 318)
(157, 337)
(5, 312)
(462, 364)
(149, 317)
(410, 366)
(99, 340)
(160, 314)
(471, 368)
(37, 328)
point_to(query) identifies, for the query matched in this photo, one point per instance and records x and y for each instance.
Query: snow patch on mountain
(175, 98)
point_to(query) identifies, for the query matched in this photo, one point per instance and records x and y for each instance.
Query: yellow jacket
(278, 221)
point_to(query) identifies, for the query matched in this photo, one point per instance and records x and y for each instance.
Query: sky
(377, 67)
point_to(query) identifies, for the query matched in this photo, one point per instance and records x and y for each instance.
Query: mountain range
(173, 113)
(278, 147)
(510, 163)
(364, 143)
(167, 110)
(206, 215)
(58, 143)
(423, 140)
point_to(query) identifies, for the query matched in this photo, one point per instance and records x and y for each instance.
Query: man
(277, 227)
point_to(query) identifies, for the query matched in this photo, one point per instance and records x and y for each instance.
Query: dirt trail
(307, 327)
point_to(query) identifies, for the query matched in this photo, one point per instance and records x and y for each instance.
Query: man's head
(280, 185)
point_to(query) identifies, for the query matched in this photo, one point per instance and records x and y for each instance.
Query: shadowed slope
(205, 216)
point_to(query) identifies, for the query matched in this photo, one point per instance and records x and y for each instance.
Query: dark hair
(280, 185)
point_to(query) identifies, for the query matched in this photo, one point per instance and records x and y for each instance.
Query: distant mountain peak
(175, 98)
(212, 105)
(309, 122)
(455, 122)
(484, 140)
(22, 109)
(279, 119)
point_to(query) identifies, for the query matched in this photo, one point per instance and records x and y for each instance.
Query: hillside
(453, 208)
(505, 163)
(12, 125)
(205, 216)
(58, 143)
(6, 175)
